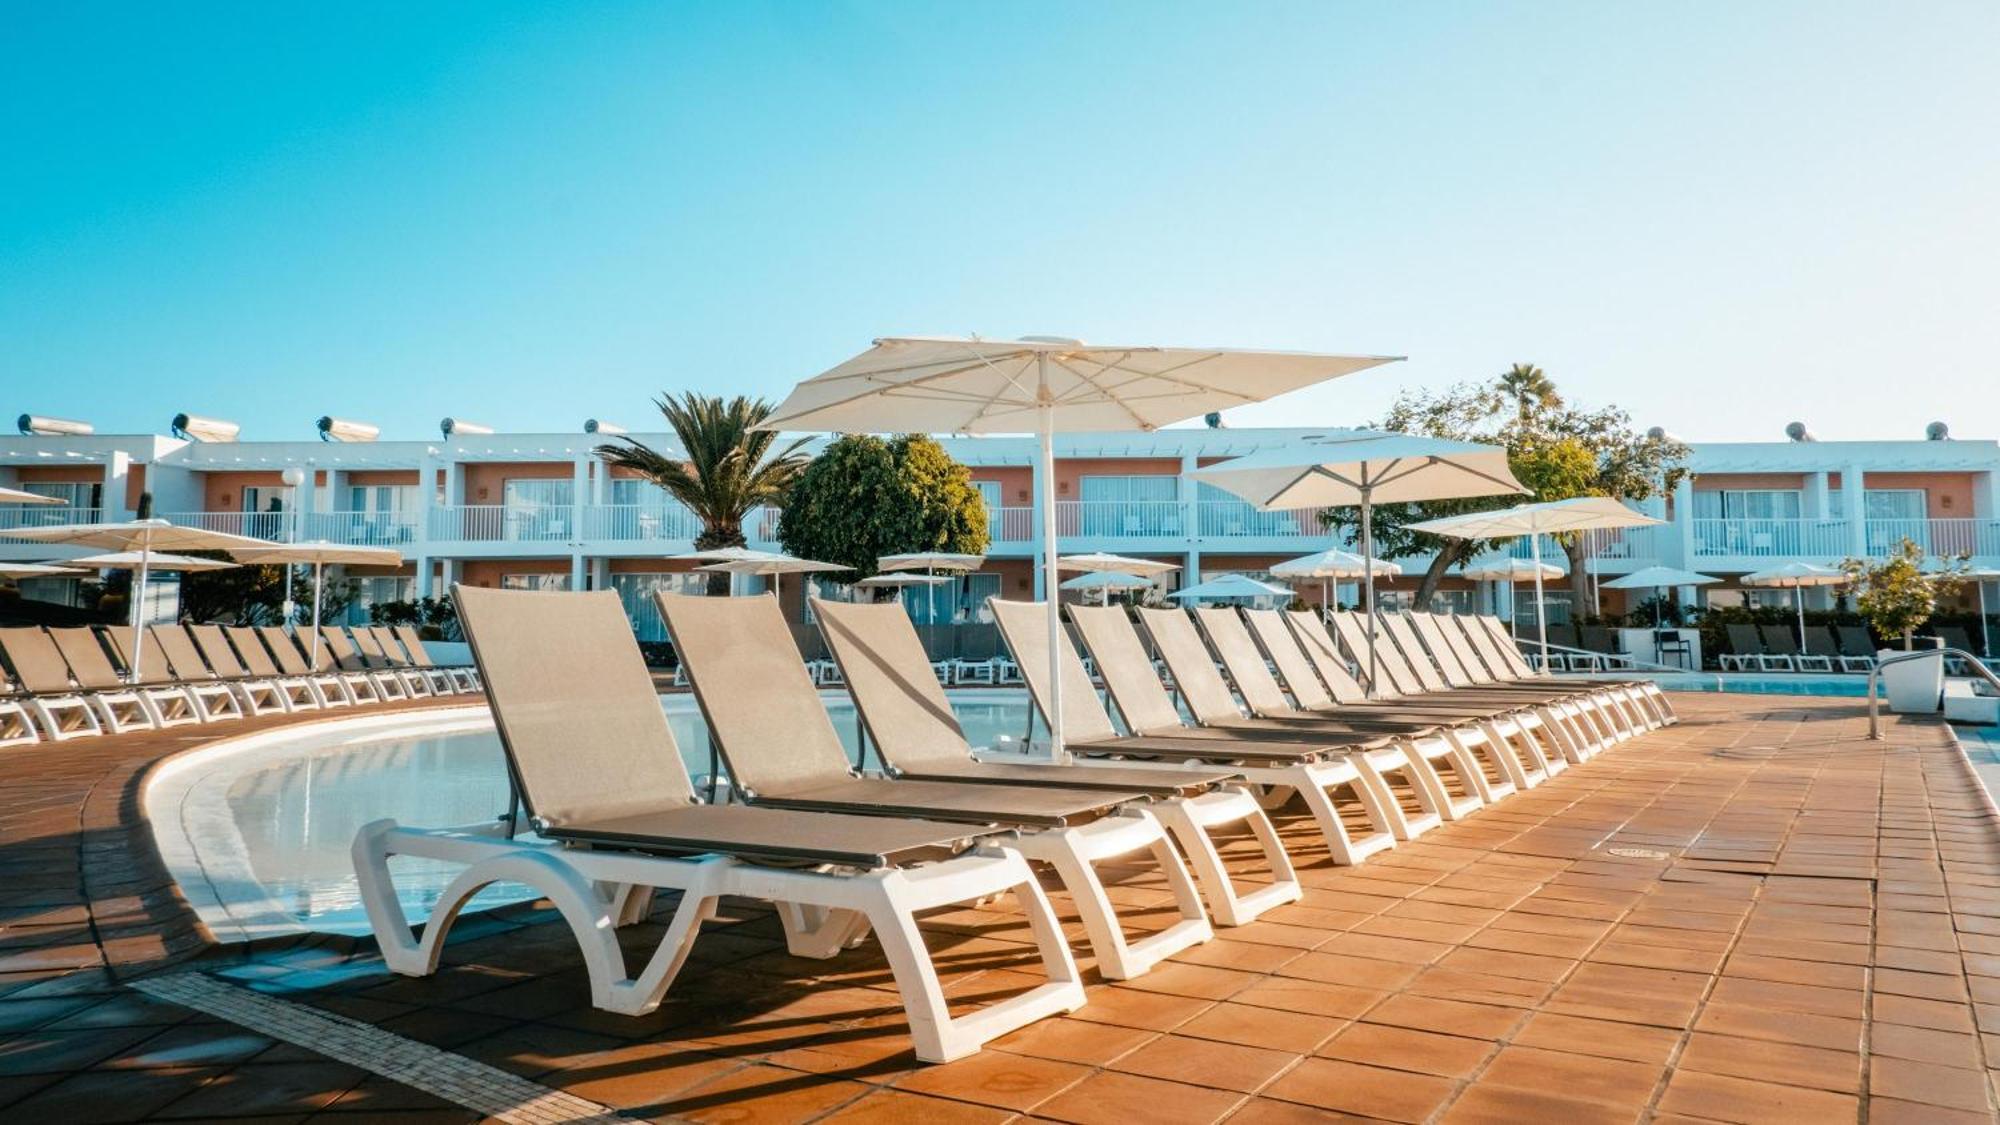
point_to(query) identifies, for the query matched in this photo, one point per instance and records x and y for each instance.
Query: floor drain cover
(1638, 853)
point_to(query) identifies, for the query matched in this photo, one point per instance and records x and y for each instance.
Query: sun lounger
(782, 752)
(1611, 707)
(17, 725)
(1615, 709)
(1746, 652)
(913, 728)
(1856, 645)
(171, 703)
(256, 695)
(1778, 641)
(59, 704)
(415, 682)
(464, 680)
(1322, 771)
(1820, 642)
(602, 783)
(338, 658)
(300, 692)
(436, 680)
(329, 682)
(214, 699)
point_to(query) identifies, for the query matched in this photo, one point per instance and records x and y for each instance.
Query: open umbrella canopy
(1334, 564)
(320, 552)
(1115, 564)
(1796, 574)
(1659, 577)
(1042, 385)
(930, 560)
(36, 570)
(785, 564)
(16, 496)
(901, 578)
(1546, 518)
(154, 560)
(1230, 586)
(1500, 568)
(729, 554)
(1106, 580)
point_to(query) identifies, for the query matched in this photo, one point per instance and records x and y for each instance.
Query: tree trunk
(1450, 555)
(715, 537)
(1581, 605)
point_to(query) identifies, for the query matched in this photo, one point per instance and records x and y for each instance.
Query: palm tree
(726, 472)
(1531, 390)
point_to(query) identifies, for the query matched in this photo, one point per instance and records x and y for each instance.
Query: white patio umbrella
(774, 569)
(1797, 576)
(156, 560)
(145, 537)
(1509, 570)
(319, 554)
(1331, 565)
(728, 554)
(1661, 578)
(1106, 581)
(1534, 521)
(1364, 468)
(1115, 564)
(36, 570)
(930, 562)
(1043, 385)
(16, 496)
(1230, 586)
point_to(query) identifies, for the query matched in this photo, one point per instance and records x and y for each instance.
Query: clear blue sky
(1721, 216)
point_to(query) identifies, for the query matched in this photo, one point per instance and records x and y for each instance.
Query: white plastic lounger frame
(823, 913)
(1644, 703)
(17, 727)
(119, 708)
(1594, 719)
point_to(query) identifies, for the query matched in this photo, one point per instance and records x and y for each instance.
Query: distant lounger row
(1456, 723)
(76, 682)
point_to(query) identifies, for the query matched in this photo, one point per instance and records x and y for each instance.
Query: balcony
(1823, 539)
(499, 523)
(1615, 549)
(1955, 537)
(640, 523)
(257, 525)
(45, 515)
(360, 529)
(1010, 525)
(1226, 519)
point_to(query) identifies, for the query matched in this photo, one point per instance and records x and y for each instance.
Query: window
(543, 582)
(989, 491)
(82, 502)
(636, 592)
(537, 508)
(1749, 504)
(1893, 515)
(1128, 505)
(381, 514)
(368, 591)
(1225, 514)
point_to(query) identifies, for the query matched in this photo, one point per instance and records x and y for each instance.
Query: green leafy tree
(254, 595)
(729, 469)
(864, 497)
(1900, 594)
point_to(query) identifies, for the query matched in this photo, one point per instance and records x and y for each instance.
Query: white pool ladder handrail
(1875, 674)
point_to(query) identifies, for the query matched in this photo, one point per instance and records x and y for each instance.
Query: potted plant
(1896, 597)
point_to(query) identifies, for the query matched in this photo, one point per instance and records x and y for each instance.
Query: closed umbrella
(1797, 576)
(1364, 468)
(1331, 565)
(319, 554)
(1230, 586)
(1043, 385)
(145, 537)
(1107, 581)
(1534, 521)
(1661, 578)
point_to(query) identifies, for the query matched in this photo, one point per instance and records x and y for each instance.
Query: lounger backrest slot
(38, 663)
(1268, 626)
(1353, 633)
(276, 645)
(1204, 690)
(751, 682)
(333, 644)
(1502, 644)
(414, 645)
(888, 673)
(1448, 645)
(86, 659)
(1246, 665)
(578, 716)
(215, 649)
(1128, 672)
(1415, 657)
(1324, 652)
(1025, 628)
(182, 659)
(392, 649)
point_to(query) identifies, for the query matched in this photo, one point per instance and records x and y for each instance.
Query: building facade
(539, 511)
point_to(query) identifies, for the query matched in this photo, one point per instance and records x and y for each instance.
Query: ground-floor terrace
(1754, 915)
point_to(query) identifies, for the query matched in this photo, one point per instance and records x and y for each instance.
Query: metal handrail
(1632, 662)
(1875, 674)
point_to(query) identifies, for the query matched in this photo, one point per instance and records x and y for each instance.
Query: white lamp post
(293, 478)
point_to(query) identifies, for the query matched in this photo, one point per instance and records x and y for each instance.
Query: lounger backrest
(392, 649)
(1275, 638)
(413, 644)
(215, 649)
(1482, 658)
(182, 657)
(1743, 639)
(887, 672)
(1450, 663)
(1505, 646)
(1128, 672)
(153, 671)
(1231, 641)
(86, 659)
(1324, 652)
(1777, 640)
(1024, 626)
(284, 649)
(1855, 641)
(1820, 642)
(370, 647)
(575, 707)
(751, 684)
(1415, 657)
(1397, 679)
(333, 645)
(1204, 690)
(38, 663)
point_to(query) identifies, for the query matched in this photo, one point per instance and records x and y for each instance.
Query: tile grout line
(471, 1084)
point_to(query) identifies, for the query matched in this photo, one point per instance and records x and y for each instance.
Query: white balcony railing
(1120, 519)
(362, 529)
(1755, 538)
(640, 522)
(499, 523)
(1227, 519)
(1948, 537)
(1010, 525)
(1616, 543)
(45, 515)
(258, 525)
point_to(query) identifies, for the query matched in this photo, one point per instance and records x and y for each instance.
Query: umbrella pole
(1368, 576)
(319, 576)
(1985, 642)
(1047, 498)
(138, 608)
(1799, 599)
(1541, 603)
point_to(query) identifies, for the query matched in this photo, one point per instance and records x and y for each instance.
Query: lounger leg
(1379, 767)
(821, 932)
(1190, 820)
(1497, 750)
(1314, 787)
(1447, 750)
(1075, 852)
(16, 729)
(939, 1036)
(63, 719)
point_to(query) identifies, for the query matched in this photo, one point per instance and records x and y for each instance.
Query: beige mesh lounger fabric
(463, 680)
(910, 719)
(256, 695)
(436, 680)
(213, 699)
(599, 776)
(1488, 639)
(767, 719)
(120, 706)
(338, 656)
(415, 682)
(331, 686)
(1322, 772)
(58, 706)
(170, 702)
(300, 692)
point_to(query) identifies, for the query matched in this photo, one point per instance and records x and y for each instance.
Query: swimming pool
(256, 830)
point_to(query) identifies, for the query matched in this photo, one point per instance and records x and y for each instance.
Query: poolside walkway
(1756, 915)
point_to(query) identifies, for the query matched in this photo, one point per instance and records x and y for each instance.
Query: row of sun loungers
(1775, 648)
(1456, 723)
(58, 684)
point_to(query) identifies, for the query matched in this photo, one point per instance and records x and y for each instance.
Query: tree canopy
(1899, 594)
(864, 497)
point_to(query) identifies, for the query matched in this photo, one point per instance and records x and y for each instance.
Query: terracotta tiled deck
(1755, 915)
